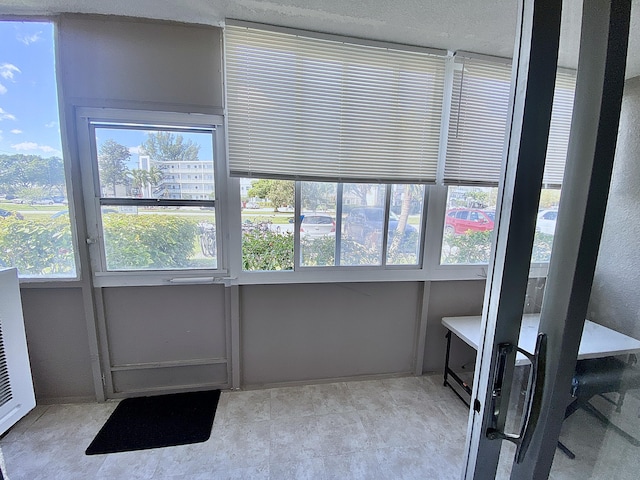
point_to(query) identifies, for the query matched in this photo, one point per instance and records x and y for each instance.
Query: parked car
(6, 213)
(463, 220)
(546, 221)
(42, 201)
(364, 225)
(317, 225)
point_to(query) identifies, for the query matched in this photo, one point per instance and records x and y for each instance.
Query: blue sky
(28, 97)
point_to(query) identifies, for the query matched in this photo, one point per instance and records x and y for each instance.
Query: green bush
(542, 243)
(468, 248)
(148, 241)
(37, 247)
(267, 250)
(475, 247)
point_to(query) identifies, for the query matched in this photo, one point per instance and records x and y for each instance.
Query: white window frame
(85, 117)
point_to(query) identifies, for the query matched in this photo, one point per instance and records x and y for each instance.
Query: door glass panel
(604, 430)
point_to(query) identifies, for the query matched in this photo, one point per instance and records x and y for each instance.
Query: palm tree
(154, 177)
(139, 179)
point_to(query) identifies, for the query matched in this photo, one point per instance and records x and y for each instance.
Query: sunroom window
(147, 211)
(35, 225)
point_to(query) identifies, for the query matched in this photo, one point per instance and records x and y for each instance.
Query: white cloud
(3, 89)
(8, 70)
(6, 115)
(32, 146)
(134, 150)
(29, 39)
(51, 124)
(15, 131)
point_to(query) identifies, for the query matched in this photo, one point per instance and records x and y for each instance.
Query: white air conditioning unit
(16, 385)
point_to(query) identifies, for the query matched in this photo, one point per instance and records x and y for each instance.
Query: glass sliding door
(552, 364)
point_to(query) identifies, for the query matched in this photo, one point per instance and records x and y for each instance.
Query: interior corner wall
(450, 299)
(56, 332)
(614, 297)
(310, 332)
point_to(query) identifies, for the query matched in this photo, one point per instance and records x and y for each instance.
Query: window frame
(71, 189)
(86, 120)
(435, 237)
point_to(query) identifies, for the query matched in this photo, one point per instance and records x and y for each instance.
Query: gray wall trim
(232, 309)
(421, 328)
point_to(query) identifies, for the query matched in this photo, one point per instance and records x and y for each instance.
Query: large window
(35, 226)
(339, 224)
(154, 196)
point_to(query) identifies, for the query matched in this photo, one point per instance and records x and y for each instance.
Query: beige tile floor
(408, 427)
(400, 428)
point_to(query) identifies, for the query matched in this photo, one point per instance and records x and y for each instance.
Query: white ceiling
(483, 26)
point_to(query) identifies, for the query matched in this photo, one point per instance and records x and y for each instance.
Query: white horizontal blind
(478, 122)
(308, 108)
(559, 128)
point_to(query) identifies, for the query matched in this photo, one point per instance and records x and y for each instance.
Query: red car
(462, 220)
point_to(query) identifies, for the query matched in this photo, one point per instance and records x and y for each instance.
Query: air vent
(5, 384)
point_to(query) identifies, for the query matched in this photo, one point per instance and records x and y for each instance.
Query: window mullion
(297, 224)
(385, 226)
(338, 251)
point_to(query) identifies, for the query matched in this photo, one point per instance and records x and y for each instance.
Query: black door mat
(153, 422)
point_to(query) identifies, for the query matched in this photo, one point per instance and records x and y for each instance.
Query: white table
(597, 341)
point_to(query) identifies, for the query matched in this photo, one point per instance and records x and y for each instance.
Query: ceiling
(483, 26)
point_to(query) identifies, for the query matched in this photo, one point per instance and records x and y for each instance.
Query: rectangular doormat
(159, 421)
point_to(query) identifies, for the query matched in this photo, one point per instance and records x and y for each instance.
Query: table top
(597, 340)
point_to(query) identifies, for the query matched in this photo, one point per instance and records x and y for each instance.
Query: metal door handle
(534, 396)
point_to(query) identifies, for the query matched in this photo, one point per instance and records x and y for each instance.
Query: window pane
(267, 224)
(147, 162)
(318, 225)
(545, 225)
(159, 238)
(403, 245)
(469, 224)
(35, 228)
(362, 224)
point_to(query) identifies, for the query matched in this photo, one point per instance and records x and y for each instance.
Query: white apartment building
(192, 180)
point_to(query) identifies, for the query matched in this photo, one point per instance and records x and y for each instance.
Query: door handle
(534, 395)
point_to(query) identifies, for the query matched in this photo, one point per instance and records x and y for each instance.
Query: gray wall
(58, 343)
(322, 331)
(450, 299)
(615, 300)
(171, 327)
(109, 58)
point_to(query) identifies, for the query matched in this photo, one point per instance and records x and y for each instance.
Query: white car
(317, 225)
(546, 221)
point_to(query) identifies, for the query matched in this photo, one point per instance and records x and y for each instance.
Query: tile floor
(400, 428)
(409, 427)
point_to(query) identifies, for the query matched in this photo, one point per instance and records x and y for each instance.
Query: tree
(139, 180)
(112, 164)
(278, 192)
(26, 171)
(316, 194)
(360, 190)
(169, 147)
